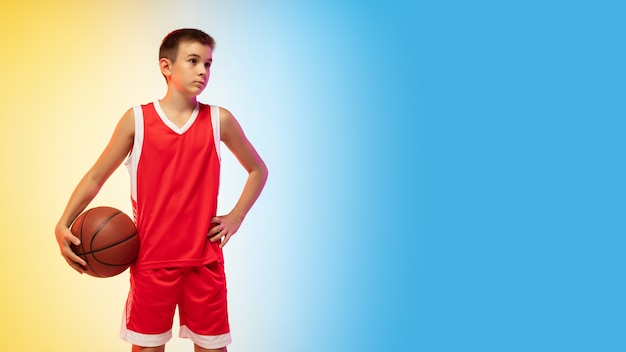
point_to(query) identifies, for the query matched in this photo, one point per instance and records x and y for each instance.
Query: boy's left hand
(224, 227)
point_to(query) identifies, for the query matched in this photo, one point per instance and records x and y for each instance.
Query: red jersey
(174, 175)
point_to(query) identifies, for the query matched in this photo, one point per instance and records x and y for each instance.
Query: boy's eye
(207, 64)
(193, 61)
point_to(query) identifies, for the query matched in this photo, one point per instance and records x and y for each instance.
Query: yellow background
(69, 71)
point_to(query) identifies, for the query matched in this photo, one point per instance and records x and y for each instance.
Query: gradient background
(444, 176)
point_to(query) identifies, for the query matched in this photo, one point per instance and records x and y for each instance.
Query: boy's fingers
(214, 231)
(216, 237)
(221, 236)
(74, 240)
(72, 258)
(224, 241)
(70, 238)
(80, 261)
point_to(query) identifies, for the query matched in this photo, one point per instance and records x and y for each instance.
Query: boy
(171, 147)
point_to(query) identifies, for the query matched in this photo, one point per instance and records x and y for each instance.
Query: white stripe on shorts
(208, 342)
(143, 340)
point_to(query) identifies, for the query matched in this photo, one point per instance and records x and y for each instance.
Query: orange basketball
(108, 241)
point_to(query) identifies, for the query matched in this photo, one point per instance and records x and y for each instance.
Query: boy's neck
(173, 100)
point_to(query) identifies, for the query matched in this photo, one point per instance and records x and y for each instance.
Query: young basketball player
(171, 147)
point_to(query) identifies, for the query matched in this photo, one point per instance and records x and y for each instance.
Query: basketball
(108, 241)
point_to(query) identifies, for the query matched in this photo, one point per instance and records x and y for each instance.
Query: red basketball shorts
(199, 293)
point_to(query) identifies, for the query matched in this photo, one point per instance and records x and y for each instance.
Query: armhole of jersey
(215, 121)
(133, 158)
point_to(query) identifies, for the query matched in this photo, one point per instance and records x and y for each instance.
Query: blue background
(454, 176)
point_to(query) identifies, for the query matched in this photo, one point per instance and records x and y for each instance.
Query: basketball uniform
(174, 174)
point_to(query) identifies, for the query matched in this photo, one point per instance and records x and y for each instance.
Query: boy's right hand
(65, 238)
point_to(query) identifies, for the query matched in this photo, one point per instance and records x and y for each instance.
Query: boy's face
(189, 74)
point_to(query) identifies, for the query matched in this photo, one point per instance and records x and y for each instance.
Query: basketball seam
(110, 264)
(93, 237)
(100, 227)
(82, 245)
(113, 244)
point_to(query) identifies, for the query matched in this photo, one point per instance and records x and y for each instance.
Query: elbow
(258, 172)
(264, 172)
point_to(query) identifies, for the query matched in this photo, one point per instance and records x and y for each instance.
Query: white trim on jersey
(135, 154)
(170, 124)
(215, 121)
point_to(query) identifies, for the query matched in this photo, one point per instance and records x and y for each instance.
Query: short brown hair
(169, 46)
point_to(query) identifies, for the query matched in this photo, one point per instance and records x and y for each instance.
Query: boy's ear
(166, 66)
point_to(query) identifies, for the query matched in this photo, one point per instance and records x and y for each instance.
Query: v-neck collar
(170, 124)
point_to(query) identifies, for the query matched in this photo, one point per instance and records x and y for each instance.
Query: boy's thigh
(203, 306)
(152, 300)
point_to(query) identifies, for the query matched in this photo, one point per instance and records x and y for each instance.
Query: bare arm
(233, 136)
(118, 148)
